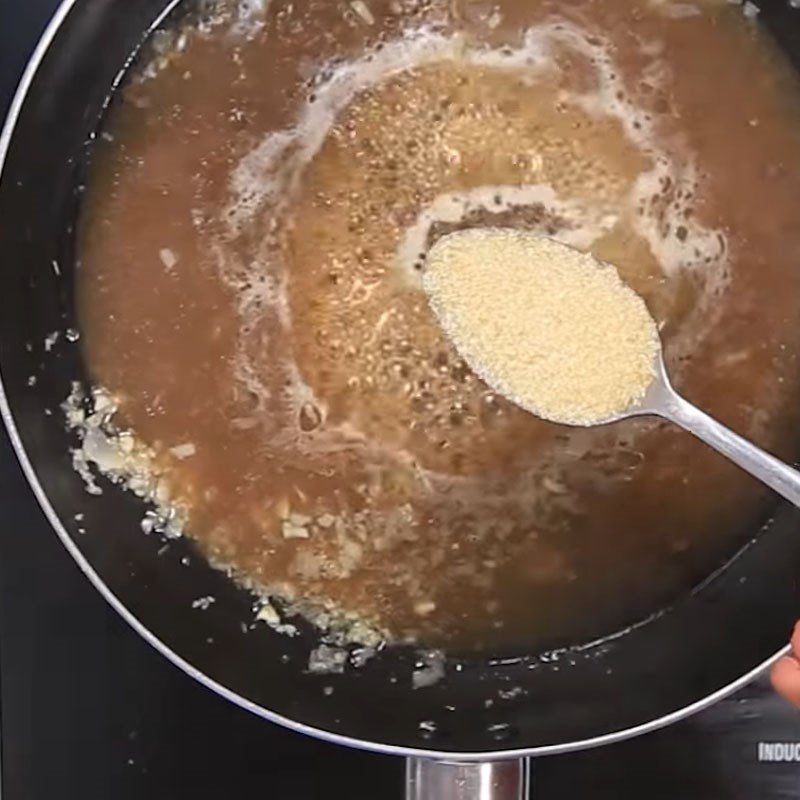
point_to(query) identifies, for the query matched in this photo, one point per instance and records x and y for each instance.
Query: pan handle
(427, 779)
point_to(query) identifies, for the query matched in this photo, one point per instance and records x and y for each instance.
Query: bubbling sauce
(255, 228)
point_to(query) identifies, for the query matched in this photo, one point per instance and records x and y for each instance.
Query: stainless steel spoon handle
(770, 470)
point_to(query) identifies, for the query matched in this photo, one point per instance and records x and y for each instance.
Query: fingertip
(785, 677)
(795, 639)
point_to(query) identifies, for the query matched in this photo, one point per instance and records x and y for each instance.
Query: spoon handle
(779, 476)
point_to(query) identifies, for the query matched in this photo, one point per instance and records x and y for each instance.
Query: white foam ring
(587, 224)
(269, 173)
(657, 206)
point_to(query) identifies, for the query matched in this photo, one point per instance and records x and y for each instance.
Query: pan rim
(29, 74)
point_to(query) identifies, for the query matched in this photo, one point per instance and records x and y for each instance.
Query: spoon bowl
(659, 399)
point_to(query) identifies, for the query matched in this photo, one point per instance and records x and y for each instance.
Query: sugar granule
(550, 327)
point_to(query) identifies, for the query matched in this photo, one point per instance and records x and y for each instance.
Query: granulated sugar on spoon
(558, 333)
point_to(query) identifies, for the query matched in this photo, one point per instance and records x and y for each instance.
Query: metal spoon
(659, 399)
(662, 400)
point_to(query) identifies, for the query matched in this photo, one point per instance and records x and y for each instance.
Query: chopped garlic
(424, 607)
(182, 451)
(326, 659)
(363, 11)
(430, 669)
(291, 531)
(268, 614)
(168, 258)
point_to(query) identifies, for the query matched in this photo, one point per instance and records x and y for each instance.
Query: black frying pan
(705, 647)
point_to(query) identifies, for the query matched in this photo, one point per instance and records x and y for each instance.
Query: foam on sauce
(250, 296)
